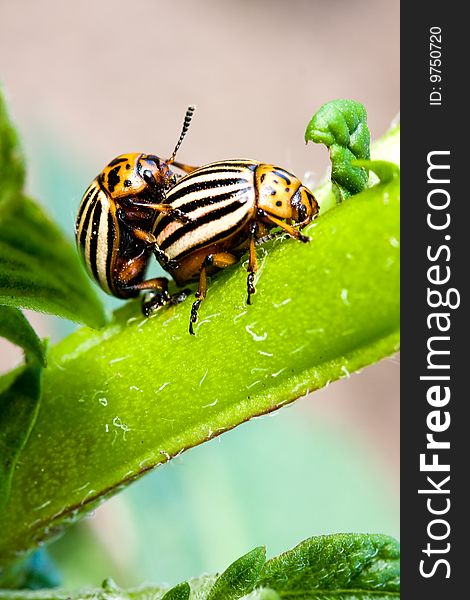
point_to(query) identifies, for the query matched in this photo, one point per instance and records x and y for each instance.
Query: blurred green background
(88, 81)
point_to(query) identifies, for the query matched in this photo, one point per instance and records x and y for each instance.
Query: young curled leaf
(342, 126)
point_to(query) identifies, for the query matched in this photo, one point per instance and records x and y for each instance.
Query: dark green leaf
(38, 267)
(179, 592)
(11, 160)
(240, 577)
(109, 585)
(19, 406)
(15, 327)
(40, 270)
(341, 566)
(356, 566)
(342, 126)
(262, 594)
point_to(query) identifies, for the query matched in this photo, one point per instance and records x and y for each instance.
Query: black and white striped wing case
(220, 199)
(97, 235)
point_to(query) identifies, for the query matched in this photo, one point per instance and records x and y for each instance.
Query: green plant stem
(120, 401)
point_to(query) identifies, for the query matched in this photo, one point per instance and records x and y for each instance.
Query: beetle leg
(144, 236)
(148, 238)
(200, 295)
(183, 167)
(151, 241)
(129, 269)
(159, 296)
(290, 229)
(252, 263)
(219, 260)
(158, 286)
(180, 296)
(140, 234)
(175, 213)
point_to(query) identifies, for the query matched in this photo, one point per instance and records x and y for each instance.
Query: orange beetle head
(304, 206)
(282, 195)
(136, 174)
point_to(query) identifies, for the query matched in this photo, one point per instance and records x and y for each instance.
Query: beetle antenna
(187, 121)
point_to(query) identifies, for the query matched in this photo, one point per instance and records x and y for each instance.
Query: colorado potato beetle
(116, 214)
(231, 204)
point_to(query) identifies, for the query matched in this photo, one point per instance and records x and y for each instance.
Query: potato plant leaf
(240, 577)
(342, 126)
(19, 406)
(347, 566)
(12, 172)
(15, 327)
(357, 566)
(263, 594)
(179, 592)
(39, 269)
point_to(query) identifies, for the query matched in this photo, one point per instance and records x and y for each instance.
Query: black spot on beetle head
(117, 161)
(113, 179)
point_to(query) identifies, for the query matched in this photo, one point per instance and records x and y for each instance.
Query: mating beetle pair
(194, 225)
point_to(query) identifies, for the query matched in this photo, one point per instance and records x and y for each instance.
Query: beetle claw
(180, 296)
(193, 317)
(154, 300)
(181, 216)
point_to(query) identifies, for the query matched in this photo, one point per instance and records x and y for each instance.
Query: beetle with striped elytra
(232, 204)
(113, 226)
(195, 226)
